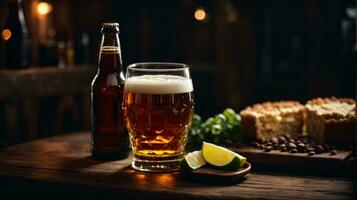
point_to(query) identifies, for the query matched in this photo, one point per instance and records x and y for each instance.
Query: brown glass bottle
(109, 135)
(15, 38)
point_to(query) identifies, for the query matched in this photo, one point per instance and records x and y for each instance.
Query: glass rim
(164, 66)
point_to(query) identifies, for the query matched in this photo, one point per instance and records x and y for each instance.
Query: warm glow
(44, 8)
(232, 16)
(200, 14)
(140, 176)
(6, 34)
(166, 180)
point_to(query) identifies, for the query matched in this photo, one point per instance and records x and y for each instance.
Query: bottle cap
(110, 27)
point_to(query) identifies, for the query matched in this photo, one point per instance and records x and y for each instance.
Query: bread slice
(263, 121)
(331, 120)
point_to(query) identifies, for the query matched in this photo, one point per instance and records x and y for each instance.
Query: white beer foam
(158, 84)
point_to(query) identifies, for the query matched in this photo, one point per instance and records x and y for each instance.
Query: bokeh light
(43, 8)
(6, 34)
(232, 16)
(200, 14)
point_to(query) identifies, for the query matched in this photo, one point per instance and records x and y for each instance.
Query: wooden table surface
(61, 168)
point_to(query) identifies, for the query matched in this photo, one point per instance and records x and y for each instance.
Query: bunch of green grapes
(217, 129)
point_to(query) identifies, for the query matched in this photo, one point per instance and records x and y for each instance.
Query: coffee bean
(291, 140)
(275, 140)
(326, 147)
(299, 143)
(310, 149)
(262, 146)
(281, 139)
(319, 149)
(291, 145)
(268, 148)
(293, 150)
(309, 145)
(269, 144)
(301, 147)
(287, 136)
(276, 146)
(333, 152)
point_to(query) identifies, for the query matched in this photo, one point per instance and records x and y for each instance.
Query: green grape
(217, 129)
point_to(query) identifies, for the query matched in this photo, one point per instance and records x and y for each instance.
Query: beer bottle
(15, 38)
(109, 135)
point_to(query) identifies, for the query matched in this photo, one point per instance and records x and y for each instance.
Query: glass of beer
(158, 109)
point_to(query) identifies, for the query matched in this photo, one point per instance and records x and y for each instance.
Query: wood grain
(61, 167)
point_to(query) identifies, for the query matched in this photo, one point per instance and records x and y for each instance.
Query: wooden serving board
(210, 175)
(322, 164)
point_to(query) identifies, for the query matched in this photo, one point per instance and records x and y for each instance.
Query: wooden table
(61, 168)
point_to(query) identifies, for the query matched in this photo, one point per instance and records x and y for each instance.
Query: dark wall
(296, 49)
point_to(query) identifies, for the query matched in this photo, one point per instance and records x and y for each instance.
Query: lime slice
(221, 157)
(192, 161)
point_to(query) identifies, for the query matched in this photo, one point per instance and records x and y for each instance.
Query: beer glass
(158, 109)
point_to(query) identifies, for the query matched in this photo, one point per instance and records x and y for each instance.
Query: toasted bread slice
(270, 119)
(331, 120)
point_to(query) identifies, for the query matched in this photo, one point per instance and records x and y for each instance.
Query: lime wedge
(192, 161)
(221, 157)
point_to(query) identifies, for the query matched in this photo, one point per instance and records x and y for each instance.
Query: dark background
(243, 52)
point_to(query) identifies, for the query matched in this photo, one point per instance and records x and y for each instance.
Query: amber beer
(158, 112)
(109, 135)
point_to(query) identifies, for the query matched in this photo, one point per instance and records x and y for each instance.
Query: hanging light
(200, 14)
(43, 8)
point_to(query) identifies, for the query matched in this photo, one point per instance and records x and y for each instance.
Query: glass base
(156, 165)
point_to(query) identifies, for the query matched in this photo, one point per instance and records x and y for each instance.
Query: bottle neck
(16, 16)
(110, 54)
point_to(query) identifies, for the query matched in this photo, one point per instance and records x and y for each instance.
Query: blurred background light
(200, 14)
(6, 34)
(43, 8)
(231, 16)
